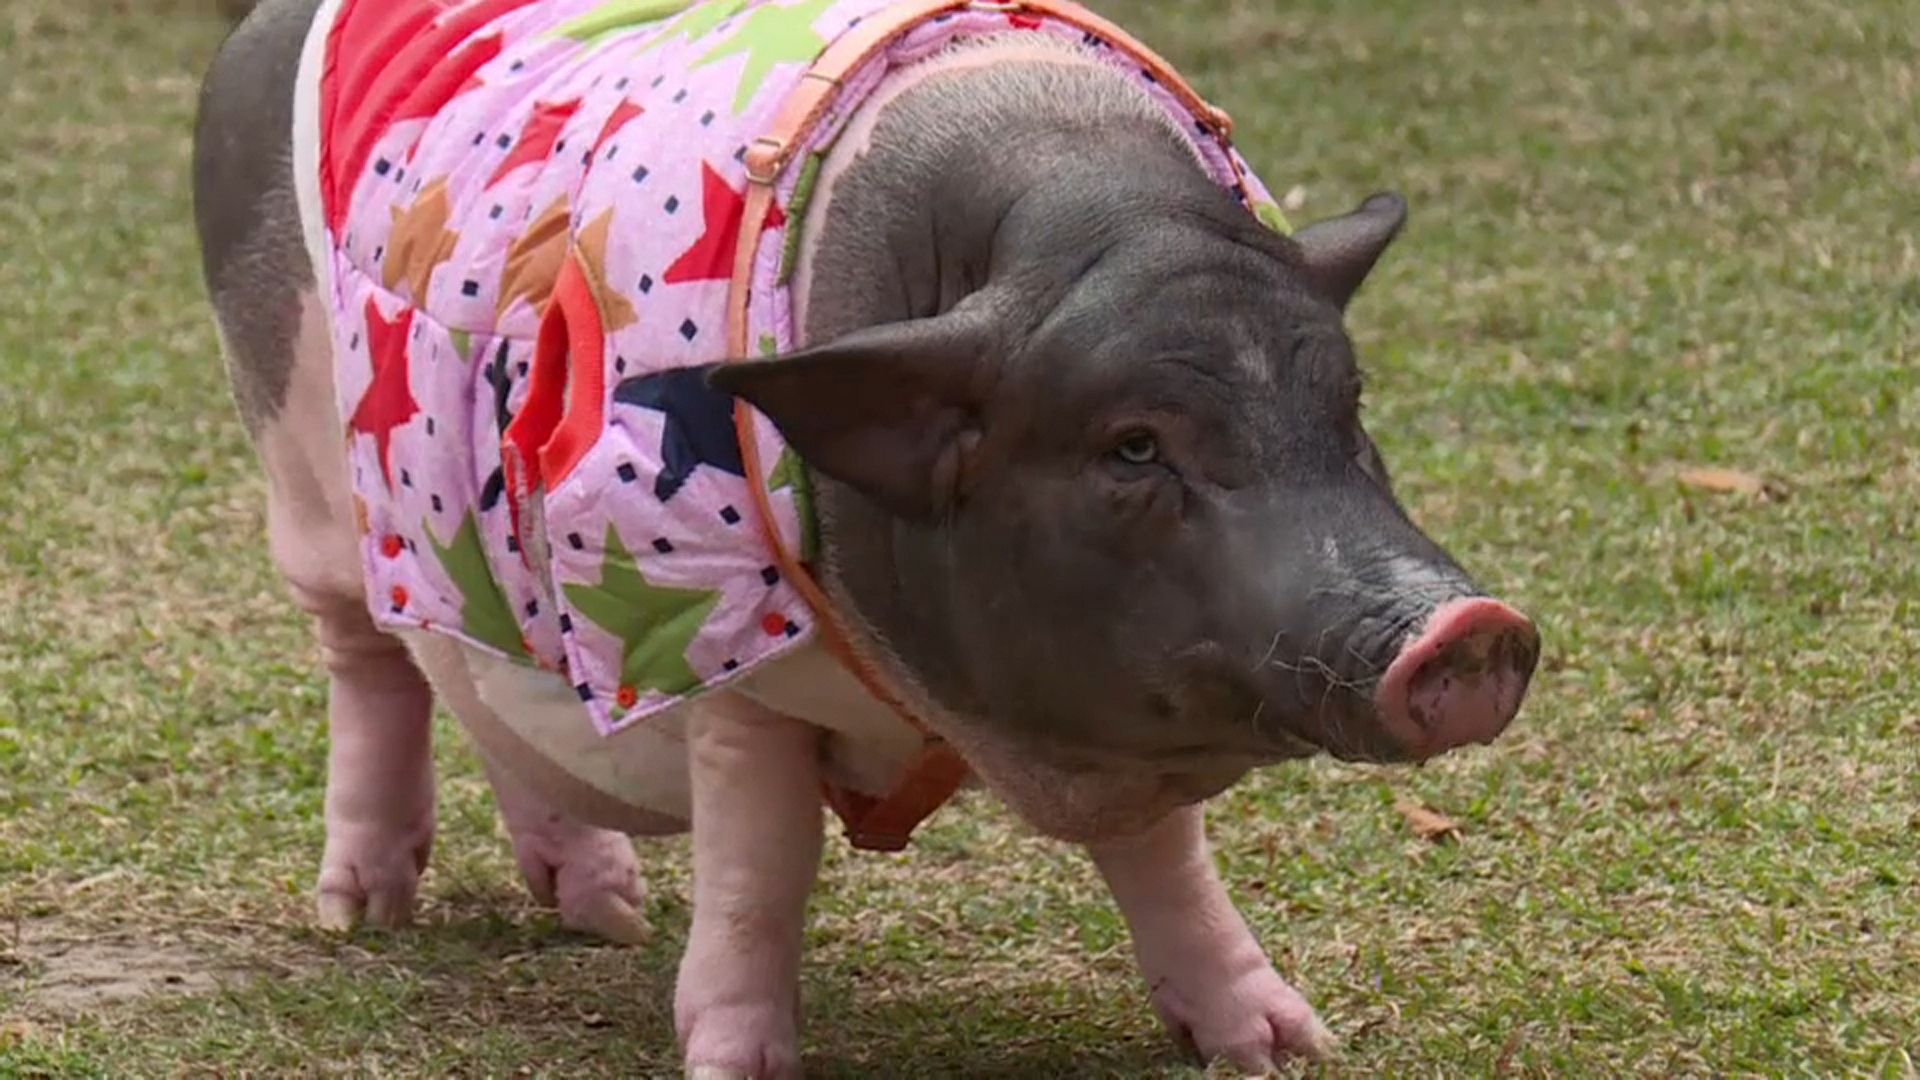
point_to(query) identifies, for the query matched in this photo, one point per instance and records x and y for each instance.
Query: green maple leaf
(484, 614)
(771, 36)
(654, 623)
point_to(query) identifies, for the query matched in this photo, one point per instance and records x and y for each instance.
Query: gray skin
(1019, 306)
(254, 262)
(1085, 435)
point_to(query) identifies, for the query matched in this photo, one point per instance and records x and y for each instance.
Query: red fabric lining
(387, 61)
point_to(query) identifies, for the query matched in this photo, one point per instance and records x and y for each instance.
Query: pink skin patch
(1461, 679)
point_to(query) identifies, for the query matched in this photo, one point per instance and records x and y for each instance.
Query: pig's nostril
(1461, 679)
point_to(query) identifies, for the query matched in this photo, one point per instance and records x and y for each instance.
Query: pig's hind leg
(273, 331)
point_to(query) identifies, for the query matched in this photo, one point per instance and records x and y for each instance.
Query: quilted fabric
(495, 168)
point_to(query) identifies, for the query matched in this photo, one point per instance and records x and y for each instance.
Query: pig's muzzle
(1460, 679)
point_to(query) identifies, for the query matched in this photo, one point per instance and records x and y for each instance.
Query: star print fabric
(477, 153)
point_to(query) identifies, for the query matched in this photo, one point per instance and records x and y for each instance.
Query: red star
(711, 256)
(622, 113)
(388, 402)
(537, 136)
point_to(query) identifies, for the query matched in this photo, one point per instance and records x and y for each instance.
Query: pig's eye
(1137, 448)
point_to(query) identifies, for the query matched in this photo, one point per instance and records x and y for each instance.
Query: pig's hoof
(1254, 1022)
(611, 914)
(739, 1042)
(591, 875)
(370, 876)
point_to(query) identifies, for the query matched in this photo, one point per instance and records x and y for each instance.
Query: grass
(1646, 236)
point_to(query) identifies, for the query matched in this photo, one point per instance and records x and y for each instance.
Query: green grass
(1645, 236)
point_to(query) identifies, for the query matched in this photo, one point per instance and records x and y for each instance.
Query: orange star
(533, 262)
(616, 311)
(420, 241)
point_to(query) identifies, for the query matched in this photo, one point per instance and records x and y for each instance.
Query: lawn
(1646, 238)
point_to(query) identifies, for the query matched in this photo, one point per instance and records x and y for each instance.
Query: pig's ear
(1340, 251)
(887, 409)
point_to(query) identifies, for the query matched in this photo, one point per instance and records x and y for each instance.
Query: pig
(1092, 497)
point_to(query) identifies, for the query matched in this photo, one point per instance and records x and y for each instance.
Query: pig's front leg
(756, 847)
(1211, 981)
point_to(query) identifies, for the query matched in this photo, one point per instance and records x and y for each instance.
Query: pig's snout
(1460, 679)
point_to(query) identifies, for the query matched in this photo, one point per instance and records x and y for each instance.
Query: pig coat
(528, 221)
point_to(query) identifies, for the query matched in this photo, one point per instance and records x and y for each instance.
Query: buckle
(765, 158)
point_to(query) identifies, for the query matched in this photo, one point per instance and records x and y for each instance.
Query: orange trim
(566, 388)
(886, 823)
(580, 427)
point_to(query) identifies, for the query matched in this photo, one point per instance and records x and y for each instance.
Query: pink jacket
(512, 188)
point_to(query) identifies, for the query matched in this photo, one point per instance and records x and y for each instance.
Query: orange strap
(882, 824)
(887, 823)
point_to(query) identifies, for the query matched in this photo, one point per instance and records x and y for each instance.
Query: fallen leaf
(1426, 822)
(1730, 482)
(1503, 1064)
(15, 1033)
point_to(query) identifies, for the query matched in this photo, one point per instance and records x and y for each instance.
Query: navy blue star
(501, 380)
(699, 428)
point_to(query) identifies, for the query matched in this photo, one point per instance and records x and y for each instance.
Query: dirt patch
(66, 969)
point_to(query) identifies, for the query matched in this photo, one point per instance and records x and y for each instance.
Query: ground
(1647, 237)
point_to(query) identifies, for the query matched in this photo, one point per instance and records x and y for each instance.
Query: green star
(797, 214)
(1269, 215)
(790, 472)
(617, 15)
(654, 623)
(770, 37)
(484, 613)
(697, 20)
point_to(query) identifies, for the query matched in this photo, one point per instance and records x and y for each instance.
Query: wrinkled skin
(1094, 496)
